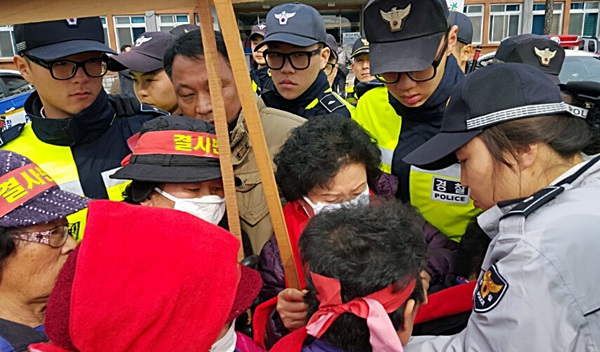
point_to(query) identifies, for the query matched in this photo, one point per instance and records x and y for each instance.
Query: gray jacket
(539, 289)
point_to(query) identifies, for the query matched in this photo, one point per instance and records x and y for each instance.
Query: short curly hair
(316, 151)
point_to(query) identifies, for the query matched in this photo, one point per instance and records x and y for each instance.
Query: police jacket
(317, 100)
(539, 286)
(81, 151)
(261, 80)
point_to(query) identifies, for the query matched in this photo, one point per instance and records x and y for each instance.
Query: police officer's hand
(291, 308)
(125, 105)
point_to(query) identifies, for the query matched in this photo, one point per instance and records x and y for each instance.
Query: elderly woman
(34, 245)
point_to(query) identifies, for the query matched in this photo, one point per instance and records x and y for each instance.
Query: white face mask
(227, 342)
(208, 208)
(319, 207)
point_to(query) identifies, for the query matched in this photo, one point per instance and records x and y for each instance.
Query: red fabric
(451, 301)
(295, 221)
(46, 347)
(151, 279)
(260, 320)
(292, 342)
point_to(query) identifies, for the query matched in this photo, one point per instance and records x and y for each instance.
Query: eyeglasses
(55, 238)
(417, 76)
(300, 60)
(329, 68)
(66, 69)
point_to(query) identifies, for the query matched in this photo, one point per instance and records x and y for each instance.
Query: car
(14, 90)
(579, 65)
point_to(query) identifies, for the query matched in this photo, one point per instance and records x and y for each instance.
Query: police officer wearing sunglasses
(296, 54)
(78, 133)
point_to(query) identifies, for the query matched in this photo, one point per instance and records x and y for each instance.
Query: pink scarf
(374, 308)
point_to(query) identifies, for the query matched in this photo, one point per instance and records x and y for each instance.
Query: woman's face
(349, 183)
(490, 181)
(32, 270)
(185, 191)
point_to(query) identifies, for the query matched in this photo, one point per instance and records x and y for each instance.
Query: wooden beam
(25, 11)
(232, 38)
(216, 95)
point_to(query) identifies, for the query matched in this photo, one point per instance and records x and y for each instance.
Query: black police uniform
(317, 100)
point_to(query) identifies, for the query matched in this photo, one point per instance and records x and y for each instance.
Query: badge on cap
(395, 17)
(72, 22)
(283, 17)
(489, 291)
(141, 40)
(544, 55)
(364, 41)
(262, 26)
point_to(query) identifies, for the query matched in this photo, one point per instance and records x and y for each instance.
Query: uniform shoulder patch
(537, 200)
(331, 103)
(11, 133)
(490, 289)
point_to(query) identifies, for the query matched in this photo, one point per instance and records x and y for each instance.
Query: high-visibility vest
(442, 200)
(375, 114)
(59, 163)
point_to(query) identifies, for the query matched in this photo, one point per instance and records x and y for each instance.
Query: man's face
(155, 88)
(190, 80)
(62, 98)
(290, 82)
(414, 94)
(360, 67)
(258, 55)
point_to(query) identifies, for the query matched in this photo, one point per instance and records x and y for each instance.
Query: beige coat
(254, 213)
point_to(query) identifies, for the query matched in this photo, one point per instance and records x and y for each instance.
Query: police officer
(463, 50)
(261, 77)
(520, 153)
(296, 54)
(78, 134)
(413, 42)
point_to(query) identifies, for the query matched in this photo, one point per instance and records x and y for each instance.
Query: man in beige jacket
(185, 65)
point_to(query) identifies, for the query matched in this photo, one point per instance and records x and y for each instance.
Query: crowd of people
(434, 207)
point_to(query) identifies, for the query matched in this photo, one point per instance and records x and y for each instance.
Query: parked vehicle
(14, 90)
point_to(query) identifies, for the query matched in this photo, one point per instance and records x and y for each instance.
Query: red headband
(374, 308)
(21, 185)
(175, 142)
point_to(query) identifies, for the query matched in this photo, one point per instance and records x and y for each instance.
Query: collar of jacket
(239, 137)
(433, 109)
(82, 127)
(298, 105)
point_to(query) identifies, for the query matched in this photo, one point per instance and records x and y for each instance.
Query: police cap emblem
(395, 17)
(545, 55)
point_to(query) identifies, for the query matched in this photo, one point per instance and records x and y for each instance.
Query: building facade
(492, 20)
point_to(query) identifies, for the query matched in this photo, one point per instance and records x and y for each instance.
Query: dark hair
(190, 45)
(137, 191)
(565, 134)
(367, 248)
(471, 250)
(125, 46)
(316, 151)
(8, 246)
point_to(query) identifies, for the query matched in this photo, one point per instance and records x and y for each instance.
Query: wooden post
(232, 38)
(216, 95)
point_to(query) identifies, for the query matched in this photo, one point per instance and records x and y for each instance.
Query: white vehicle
(14, 90)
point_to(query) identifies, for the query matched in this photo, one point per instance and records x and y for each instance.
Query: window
(7, 42)
(16, 85)
(584, 18)
(475, 14)
(105, 28)
(167, 22)
(505, 21)
(128, 28)
(539, 17)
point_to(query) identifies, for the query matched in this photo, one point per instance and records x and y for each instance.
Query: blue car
(14, 90)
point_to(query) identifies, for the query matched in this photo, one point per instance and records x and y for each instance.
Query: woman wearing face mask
(175, 164)
(325, 164)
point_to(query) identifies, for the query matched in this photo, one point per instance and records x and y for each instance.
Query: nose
(69, 245)
(287, 65)
(366, 64)
(405, 82)
(80, 75)
(203, 106)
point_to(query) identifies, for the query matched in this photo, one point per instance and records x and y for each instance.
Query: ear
(452, 38)
(528, 156)
(410, 311)
(467, 52)
(23, 67)
(325, 52)
(149, 202)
